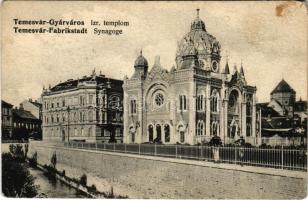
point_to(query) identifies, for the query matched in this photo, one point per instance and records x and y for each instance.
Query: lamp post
(68, 123)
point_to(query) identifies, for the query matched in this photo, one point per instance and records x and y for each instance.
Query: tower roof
(141, 61)
(283, 87)
(226, 70)
(197, 41)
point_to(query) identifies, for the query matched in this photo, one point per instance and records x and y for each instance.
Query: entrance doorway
(158, 133)
(150, 129)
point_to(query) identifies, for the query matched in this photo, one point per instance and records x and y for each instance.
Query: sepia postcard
(154, 99)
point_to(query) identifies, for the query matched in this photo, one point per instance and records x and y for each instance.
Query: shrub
(33, 160)
(92, 188)
(63, 173)
(16, 178)
(83, 180)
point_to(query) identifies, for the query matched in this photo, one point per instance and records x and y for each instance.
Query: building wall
(149, 120)
(85, 113)
(6, 122)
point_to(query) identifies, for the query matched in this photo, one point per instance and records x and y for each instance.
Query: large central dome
(206, 45)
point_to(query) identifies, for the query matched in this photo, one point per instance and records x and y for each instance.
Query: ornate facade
(192, 102)
(88, 109)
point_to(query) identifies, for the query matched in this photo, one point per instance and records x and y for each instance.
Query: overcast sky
(271, 45)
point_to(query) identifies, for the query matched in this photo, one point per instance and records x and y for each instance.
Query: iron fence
(282, 158)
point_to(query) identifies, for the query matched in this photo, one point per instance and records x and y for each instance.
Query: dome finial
(198, 13)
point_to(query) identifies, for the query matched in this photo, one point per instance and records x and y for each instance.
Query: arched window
(183, 104)
(200, 102)
(75, 132)
(215, 128)
(214, 101)
(200, 128)
(167, 133)
(133, 106)
(233, 106)
(82, 132)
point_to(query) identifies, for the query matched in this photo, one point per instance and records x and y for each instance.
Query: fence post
(104, 146)
(139, 148)
(201, 153)
(113, 147)
(282, 157)
(176, 151)
(235, 151)
(82, 145)
(125, 147)
(155, 149)
(96, 146)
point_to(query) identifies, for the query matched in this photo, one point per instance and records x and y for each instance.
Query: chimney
(21, 106)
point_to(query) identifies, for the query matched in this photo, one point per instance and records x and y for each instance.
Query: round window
(214, 66)
(159, 99)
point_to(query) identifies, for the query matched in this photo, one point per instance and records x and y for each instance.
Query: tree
(16, 178)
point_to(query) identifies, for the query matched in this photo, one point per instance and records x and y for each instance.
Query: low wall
(146, 178)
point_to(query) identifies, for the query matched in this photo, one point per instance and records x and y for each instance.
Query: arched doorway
(150, 130)
(63, 135)
(158, 133)
(182, 133)
(167, 132)
(132, 132)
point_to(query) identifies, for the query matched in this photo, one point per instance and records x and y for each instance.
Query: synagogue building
(197, 99)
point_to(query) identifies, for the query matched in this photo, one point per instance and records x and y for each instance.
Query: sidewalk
(226, 166)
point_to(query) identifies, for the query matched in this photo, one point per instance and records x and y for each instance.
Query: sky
(269, 38)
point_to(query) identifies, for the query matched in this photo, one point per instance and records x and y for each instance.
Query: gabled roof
(37, 104)
(4, 103)
(24, 114)
(283, 87)
(267, 111)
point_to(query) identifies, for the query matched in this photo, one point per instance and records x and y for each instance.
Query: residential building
(283, 120)
(6, 120)
(88, 109)
(25, 124)
(34, 107)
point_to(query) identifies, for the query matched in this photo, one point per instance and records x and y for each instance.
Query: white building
(195, 100)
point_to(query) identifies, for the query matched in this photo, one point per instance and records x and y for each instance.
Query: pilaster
(208, 109)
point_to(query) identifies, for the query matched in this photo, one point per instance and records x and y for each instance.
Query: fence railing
(276, 158)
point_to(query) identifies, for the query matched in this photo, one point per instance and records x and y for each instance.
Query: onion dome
(141, 66)
(141, 61)
(198, 24)
(205, 44)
